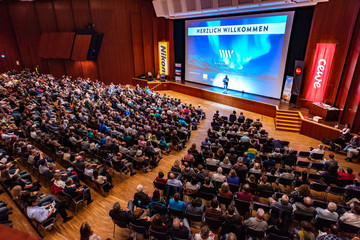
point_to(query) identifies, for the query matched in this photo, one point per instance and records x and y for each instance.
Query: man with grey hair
(180, 230)
(305, 208)
(328, 213)
(218, 176)
(123, 215)
(283, 204)
(257, 223)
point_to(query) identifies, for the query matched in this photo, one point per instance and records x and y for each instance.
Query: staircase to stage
(288, 120)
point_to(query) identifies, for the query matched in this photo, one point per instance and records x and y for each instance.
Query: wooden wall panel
(331, 31)
(8, 42)
(353, 101)
(73, 69)
(318, 131)
(81, 13)
(46, 16)
(56, 67)
(90, 70)
(64, 16)
(64, 42)
(147, 32)
(27, 32)
(137, 44)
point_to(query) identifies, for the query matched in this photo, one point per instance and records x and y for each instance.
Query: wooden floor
(97, 213)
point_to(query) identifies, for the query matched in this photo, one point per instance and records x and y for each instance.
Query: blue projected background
(253, 60)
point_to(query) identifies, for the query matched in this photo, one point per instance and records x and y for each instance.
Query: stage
(250, 102)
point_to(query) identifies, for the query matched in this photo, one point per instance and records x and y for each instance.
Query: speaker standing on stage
(226, 83)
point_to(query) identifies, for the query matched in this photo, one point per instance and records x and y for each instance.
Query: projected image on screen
(251, 50)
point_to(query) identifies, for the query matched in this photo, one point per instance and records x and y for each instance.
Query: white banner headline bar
(271, 28)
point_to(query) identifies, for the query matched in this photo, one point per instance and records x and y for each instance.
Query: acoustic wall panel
(56, 45)
(81, 47)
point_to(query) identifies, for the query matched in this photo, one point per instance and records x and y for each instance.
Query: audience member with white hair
(257, 223)
(218, 176)
(328, 213)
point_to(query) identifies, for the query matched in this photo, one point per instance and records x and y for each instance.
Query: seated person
(122, 215)
(187, 172)
(42, 213)
(355, 186)
(58, 184)
(288, 174)
(172, 181)
(224, 191)
(329, 213)
(140, 220)
(257, 223)
(348, 175)
(141, 199)
(156, 198)
(196, 207)
(233, 178)
(102, 180)
(232, 223)
(214, 211)
(17, 180)
(207, 188)
(176, 167)
(157, 224)
(255, 169)
(319, 150)
(278, 229)
(74, 191)
(245, 194)
(218, 176)
(211, 160)
(180, 229)
(176, 204)
(283, 204)
(353, 217)
(204, 234)
(226, 163)
(142, 160)
(191, 187)
(264, 185)
(123, 164)
(160, 178)
(305, 208)
(305, 231)
(189, 157)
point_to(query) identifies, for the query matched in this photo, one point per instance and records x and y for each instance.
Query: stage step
(287, 121)
(291, 118)
(287, 113)
(288, 125)
(281, 120)
(288, 129)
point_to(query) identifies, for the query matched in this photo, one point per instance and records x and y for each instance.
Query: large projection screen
(251, 50)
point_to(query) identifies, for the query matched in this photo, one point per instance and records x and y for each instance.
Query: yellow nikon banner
(164, 58)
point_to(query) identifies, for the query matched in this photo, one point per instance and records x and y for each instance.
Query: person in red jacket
(348, 175)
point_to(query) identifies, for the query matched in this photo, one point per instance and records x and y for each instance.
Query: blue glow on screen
(253, 60)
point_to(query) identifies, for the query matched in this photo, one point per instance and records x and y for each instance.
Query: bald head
(307, 201)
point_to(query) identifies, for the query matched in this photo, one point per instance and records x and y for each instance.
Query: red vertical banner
(323, 58)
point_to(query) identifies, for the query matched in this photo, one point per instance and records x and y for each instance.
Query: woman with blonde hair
(226, 163)
(255, 169)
